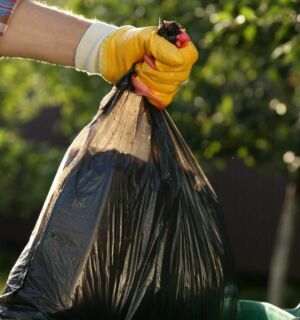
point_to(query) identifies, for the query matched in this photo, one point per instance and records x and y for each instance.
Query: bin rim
(293, 314)
(295, 311)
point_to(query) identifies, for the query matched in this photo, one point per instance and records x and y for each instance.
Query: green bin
(255, 310)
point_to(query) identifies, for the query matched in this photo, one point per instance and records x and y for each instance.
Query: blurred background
(239, 113)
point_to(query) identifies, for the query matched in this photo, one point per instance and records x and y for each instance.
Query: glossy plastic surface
(131, 228)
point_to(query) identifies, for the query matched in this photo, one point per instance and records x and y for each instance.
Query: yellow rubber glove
(128, 45)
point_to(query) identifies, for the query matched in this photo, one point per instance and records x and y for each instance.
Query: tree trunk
(283, 243)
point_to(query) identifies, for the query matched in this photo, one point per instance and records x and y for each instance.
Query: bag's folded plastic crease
(131, 228)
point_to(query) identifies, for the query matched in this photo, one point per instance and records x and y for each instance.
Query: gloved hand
(123, 47)
(164, 80)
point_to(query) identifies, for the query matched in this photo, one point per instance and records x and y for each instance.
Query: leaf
(248, 13)
(250, 33)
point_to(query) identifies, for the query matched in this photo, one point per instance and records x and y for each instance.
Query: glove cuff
(87, 51)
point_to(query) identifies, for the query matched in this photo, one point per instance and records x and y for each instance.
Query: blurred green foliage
(242, 100)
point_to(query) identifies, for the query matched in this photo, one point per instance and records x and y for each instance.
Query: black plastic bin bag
(131, 228)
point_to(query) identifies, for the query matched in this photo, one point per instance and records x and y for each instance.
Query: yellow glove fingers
(159, 99)
(166, 99)
(164, 51)
(164, 81)
(156, 84)
(190, 55)
(161, 67)
(162, 77)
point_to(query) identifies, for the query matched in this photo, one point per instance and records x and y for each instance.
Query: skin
(47, 34)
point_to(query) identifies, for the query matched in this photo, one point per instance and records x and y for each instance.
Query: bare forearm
(43, 33)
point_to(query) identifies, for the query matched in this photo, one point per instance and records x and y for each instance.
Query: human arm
(46, 34)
